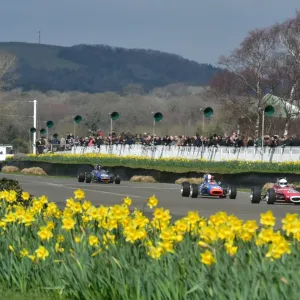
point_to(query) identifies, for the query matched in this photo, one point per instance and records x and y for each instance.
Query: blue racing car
(99, 175)
(208, 188)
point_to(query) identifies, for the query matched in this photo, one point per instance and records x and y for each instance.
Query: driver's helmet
(98, 167)
(208, 178)
(282, 182)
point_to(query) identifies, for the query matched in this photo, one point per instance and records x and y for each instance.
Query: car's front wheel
(88, 178)
(271, 196)
(194, 192)
(232, 192)
(255, 195)
(185, 189)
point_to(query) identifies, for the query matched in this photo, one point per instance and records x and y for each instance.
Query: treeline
(180, 105)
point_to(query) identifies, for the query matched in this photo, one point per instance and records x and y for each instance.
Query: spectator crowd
(98, 139)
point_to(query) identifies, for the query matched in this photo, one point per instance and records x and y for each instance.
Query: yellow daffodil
(207, 258)
(152, 201)
(267, 219)
(68, 223)
(25, 196)
(42, 253)
(127, 201)
(93, 240)
(79, 194)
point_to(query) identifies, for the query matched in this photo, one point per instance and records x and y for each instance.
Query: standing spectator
(63, 142)
(91, 141)
(197, 141)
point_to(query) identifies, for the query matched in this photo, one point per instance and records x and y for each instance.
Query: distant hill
(100, 68)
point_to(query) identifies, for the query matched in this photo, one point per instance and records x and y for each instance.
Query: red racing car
(281, 192)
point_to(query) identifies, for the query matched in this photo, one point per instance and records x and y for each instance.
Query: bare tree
(286, 93)
(289, 34)
(7, 65)
(287, 66)
(248, 65)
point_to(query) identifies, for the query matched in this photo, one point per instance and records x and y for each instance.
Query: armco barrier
(278, 154)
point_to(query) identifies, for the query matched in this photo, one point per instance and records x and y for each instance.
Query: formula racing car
(99, 175)
(281, 191)
(208, 188)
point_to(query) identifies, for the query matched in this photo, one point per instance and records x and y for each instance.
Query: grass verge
(170, 165)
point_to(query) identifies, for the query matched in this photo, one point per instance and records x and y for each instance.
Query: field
(88, 252)
(179, 165)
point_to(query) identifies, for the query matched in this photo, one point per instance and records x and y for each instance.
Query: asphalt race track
(59, 189)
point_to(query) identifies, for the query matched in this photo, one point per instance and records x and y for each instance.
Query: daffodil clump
(230, 166)
(119, 252)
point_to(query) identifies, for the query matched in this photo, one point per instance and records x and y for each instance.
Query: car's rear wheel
(81, 177)
(117, 179)
(194, 190)
(88, 178)
(298, 190)
(232, 192)
(271, 196)
(255, 195)
(185, 189)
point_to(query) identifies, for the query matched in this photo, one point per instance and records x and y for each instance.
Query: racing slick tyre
(298, 190)
(255, 195)
(117, 179)
(81, 177)
(185, 189)
(271, 196)
(232, 192)
(88, 178)
(194, 190)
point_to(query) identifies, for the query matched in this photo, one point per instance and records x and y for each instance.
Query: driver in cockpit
(98, 167)
(282, 183)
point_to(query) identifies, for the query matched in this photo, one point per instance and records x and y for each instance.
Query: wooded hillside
(100, 68)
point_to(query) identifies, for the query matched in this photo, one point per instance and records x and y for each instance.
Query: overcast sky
(196, 29)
